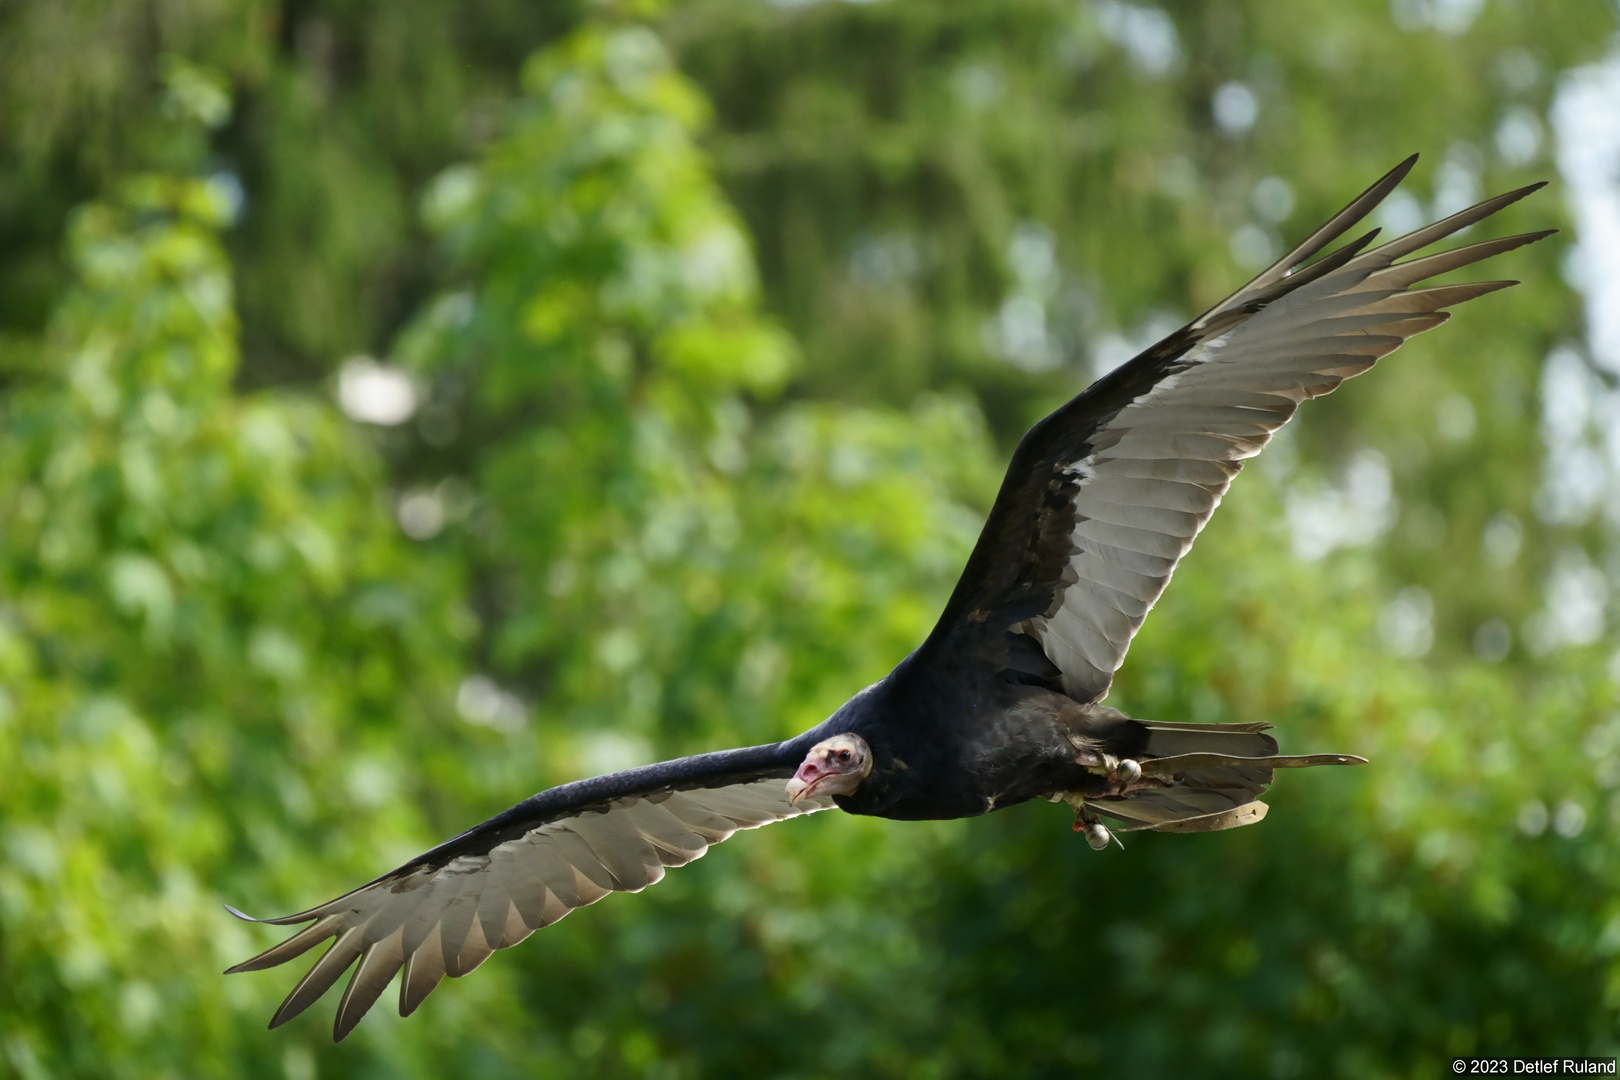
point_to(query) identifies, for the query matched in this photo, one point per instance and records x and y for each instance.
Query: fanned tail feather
(1204, 777)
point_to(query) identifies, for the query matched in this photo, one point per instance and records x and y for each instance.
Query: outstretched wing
(1105, 495)
(445, 911)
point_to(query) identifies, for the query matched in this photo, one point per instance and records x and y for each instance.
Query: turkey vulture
(1002, 703)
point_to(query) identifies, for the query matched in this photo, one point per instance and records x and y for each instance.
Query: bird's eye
(843, 755)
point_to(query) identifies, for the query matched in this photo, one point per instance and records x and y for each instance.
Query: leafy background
(713, 323)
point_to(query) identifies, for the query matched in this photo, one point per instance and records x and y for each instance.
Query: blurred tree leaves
(657, 500)
(601, 349)
(211, 636)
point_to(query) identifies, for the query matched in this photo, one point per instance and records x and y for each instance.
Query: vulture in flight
(1003, 702)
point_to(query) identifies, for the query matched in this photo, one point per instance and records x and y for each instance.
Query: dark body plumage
(1002, 703)
(959, 748)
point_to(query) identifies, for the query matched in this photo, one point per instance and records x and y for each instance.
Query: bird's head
(834, 766)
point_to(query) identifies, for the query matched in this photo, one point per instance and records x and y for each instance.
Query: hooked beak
(805, 781)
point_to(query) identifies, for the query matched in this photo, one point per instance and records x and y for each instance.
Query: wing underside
(1105, 496)
(443, 918)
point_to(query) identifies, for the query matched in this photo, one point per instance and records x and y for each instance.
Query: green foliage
(661, 496)
(636, 506)
(210, 634)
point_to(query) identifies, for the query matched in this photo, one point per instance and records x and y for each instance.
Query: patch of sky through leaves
(1355, 510)
(1043, 319)
(1580, 414)
(1145, 33)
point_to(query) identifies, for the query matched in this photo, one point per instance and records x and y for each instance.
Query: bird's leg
(1124, 775)
(1097, 834)
(1085, 821)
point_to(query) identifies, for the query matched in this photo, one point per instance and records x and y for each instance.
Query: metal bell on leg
(1097, 835)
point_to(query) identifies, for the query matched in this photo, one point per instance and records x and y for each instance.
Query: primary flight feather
(1002, 702)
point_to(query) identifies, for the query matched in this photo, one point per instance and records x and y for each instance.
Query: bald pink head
(834, 766)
